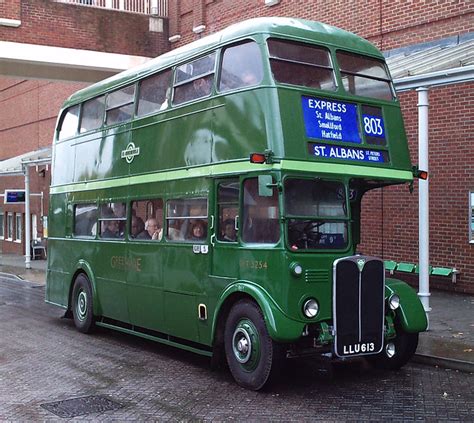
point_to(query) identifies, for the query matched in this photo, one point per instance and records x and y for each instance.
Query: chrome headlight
(310, 308)
(394, 301)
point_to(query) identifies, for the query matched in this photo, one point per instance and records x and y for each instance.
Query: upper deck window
(364, 76)
(120, 105)
(154, 93)
(69, 123)
(241, 66)
(194, 79)
(301, 64)
(92, 114)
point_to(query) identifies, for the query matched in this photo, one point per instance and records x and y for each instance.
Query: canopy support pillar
(423, 199)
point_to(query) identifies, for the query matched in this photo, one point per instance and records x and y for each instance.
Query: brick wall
(451, 166)
(28, 112)
(387, 23)
(46, 22)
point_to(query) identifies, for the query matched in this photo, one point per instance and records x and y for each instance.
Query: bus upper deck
(299, 92)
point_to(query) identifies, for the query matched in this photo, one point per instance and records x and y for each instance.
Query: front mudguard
(411, 313)
(280, 327)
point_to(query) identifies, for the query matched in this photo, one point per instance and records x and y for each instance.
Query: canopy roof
(441, 62)
(15, 165)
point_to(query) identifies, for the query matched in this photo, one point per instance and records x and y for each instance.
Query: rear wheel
(397, 352)
(250, 352)
(82, 305)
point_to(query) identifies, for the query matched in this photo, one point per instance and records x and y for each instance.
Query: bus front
(342, 135)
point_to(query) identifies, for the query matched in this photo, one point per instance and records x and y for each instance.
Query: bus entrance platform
(448, 343)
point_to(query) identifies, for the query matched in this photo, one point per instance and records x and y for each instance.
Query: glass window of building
(18, 227)
(2, 224)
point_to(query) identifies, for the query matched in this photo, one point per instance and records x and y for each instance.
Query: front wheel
(82, 305)
(250, 352)
(397, 352)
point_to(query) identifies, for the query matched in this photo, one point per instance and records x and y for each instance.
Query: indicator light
(257, 158)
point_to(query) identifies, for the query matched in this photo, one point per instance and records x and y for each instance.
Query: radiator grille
(316, 276)
(358, 305)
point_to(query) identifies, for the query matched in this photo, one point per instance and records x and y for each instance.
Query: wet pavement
(51, 372)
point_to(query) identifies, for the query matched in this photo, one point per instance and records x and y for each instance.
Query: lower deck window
(85, 220)
(147, 220)
(112, 219)
(186, 220)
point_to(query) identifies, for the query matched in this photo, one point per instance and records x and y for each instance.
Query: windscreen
(316, 214)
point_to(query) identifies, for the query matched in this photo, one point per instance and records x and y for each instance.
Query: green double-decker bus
(211, 200)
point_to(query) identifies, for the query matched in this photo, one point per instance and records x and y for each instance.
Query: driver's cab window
(260, 214)
(316, 214)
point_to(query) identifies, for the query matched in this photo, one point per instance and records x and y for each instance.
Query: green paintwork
(411, 313)
(185, 151)
(280, 327)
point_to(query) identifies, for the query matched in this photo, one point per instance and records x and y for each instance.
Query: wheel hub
(82, 305)
(242, 345)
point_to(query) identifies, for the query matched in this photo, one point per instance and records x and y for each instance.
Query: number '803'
(373, 126)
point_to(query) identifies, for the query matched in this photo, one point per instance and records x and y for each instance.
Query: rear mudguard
(280, 327)
(84, 267)
(411, 313)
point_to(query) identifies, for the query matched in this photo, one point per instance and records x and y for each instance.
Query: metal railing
(147, 7)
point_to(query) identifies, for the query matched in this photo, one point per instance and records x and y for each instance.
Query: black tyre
(82, 305)
(397, 352)
(251, 353)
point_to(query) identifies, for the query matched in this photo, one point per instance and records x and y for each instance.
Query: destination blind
(331, 120)
(357, 154)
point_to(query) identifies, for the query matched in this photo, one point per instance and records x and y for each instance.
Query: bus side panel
(184, 281)
(58, 276)
(145, 284)
(174, 143)
(239, 125)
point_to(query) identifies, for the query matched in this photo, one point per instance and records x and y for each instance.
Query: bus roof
(288, 27)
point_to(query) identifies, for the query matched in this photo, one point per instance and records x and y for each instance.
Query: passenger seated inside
(198, 231)
(137, 227)
(229, 234)
(110, 229)
(152, 230)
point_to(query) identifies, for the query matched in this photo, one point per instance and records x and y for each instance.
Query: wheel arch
(280, 327)
(83, 267)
